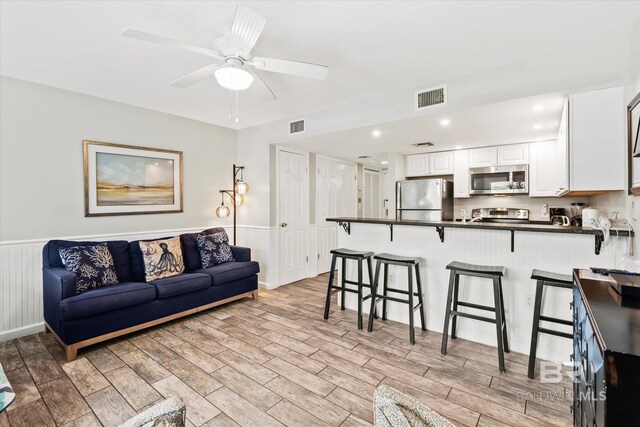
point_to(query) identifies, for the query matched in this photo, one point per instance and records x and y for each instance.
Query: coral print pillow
(92, 265)
(162, 258)
(214, 249)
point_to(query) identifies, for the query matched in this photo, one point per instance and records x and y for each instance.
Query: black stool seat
(397, 259)
(350, 253)
(493, 273)
(475, 268)
(411, 263)
(552, 277)
(359, 257)
(554, 280)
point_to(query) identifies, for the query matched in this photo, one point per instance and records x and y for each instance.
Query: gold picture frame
(131, 180)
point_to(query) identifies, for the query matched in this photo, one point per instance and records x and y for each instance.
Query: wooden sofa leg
(254, 295)
(71, 352)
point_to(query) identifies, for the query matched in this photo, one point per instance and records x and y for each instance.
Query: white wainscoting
(546, 251)
(21, 272)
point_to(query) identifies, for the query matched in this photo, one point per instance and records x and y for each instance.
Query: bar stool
(346, 254)
(545, 278)
(410, 263)
(494, 273)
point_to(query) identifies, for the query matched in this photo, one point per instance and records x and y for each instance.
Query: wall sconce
(240, 187)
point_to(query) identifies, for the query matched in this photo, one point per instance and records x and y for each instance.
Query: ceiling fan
(232, 54)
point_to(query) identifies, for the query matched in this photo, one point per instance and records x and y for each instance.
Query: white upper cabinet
(441, 163)
(417, 165)
(597, 140)
(461, 173)
(483, 157)
(517, 154)
(562, 151)
(543, 169)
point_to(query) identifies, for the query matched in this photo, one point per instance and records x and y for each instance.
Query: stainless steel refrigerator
(424, 199)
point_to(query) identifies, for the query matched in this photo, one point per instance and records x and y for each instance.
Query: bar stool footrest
(476, 306)
(473, 316)
(556, 320)
(556, 333)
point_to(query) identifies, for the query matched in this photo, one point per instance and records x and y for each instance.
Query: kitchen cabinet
(597, 141)
(417, 165)
(483, 157)
(441, 163)
(562, 151)
(517, 154)
(461, 173)
(543, 169)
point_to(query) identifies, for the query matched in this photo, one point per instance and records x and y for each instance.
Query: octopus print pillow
(214, 249)
(92, 265)
(162, 258)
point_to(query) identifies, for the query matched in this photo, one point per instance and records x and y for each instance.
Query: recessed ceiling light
(537, 127)
(458, 147)
(539, 107)
(384, 162)
(376, 133)
(445, 122)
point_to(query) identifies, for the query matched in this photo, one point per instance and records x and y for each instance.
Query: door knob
(284, 224)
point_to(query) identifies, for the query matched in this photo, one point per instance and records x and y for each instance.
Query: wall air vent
(364, 157)
(423, 144)
(429, 98)
(296, 127)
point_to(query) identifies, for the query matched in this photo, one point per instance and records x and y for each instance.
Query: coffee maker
(576, 214)
(558, 217)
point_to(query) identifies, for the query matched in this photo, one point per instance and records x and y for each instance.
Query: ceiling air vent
(296, 127)
(423, 144)
(426, 98)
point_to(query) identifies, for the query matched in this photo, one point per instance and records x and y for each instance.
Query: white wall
(41, 162)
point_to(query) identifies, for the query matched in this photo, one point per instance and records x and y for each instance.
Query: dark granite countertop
(617, 320)
(531, 227)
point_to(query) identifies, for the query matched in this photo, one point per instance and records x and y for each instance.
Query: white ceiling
(371, 47)
(508, 122)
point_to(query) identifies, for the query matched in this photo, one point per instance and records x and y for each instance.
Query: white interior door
(336, 195)
(293, 207)
(372, 194)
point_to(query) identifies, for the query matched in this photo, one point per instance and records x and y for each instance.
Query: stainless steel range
(508, 215)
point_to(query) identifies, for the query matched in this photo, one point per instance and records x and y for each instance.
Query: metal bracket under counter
(346, 226)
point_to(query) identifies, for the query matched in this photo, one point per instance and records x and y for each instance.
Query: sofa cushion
(92, 265)
(119, 252)
(230, 271)
(106, 299)
(214, 249)
(181, 284)
(190, 249)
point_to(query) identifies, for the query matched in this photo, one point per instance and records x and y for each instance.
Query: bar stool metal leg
(360, 294)
(454, 321)
(343, 275)
(327, 303)
(374, 296)
(499, 322)
(412, 336)
(420, 298)
(447, 314)
(534, 332)
(384, 290)
(504, 317)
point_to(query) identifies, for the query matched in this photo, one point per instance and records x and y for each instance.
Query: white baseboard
(22, 331)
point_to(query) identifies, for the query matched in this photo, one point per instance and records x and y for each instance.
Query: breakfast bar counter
(520, 248)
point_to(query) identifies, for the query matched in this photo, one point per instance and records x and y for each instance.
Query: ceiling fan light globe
(233, 78)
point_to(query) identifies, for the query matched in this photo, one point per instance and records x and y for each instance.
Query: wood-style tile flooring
(272, 362)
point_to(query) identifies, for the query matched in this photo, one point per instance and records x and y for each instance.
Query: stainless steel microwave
(499, 180)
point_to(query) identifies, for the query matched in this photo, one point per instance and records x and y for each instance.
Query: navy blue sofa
(133, 304)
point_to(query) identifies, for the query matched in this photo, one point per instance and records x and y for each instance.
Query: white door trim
(280, 149)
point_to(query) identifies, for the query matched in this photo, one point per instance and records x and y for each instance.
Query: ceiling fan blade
(196, 76)
(262, 86)
(295, 68)
(247, 27)
(172, 43)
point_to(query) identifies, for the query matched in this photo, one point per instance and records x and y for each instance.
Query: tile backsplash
(534, 204)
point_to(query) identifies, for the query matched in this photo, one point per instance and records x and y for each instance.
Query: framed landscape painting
(130, 180)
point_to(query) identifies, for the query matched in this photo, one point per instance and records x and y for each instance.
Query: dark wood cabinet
(606, 354)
